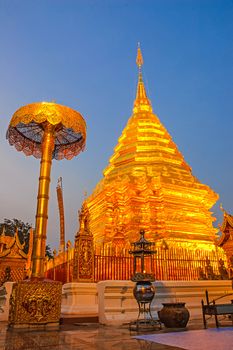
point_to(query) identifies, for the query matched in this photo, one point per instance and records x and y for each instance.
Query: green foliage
(48, 252)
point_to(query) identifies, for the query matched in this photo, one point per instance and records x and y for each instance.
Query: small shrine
(15, 264)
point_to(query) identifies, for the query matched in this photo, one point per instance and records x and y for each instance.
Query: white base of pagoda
(79, 299)
(114, 303)
(117, 304)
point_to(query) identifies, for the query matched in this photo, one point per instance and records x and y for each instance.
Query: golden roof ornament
(141, 103)
(139, 59)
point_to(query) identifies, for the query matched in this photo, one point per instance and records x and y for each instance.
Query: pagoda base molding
(117, 304)
(113, 301)
(79, 299)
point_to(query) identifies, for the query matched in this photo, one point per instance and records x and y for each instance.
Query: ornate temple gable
(11, 247)
(227, 229)
(226, 240)
(14, 263)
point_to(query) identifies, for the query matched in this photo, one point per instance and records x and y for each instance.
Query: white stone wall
(117, 304)
(114, 303)
(79, 299)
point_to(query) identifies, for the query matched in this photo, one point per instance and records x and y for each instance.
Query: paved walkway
(80, 336)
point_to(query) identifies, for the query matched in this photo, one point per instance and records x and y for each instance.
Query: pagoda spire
(142, 102)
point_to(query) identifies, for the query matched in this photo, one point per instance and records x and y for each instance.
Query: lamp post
(48, 131)
(143, 291)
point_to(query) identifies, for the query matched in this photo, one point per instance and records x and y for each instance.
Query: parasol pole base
(35, 305)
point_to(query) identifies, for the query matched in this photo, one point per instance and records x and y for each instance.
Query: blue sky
(82, 54)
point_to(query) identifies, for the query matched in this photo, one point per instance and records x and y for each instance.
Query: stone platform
(88, 337)
(113, 301)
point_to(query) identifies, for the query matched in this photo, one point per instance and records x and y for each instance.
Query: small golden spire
(139, 59)
(141, 102)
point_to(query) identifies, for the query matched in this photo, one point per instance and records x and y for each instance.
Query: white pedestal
(79, 299)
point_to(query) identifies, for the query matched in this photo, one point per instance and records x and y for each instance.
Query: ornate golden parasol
(46, 130)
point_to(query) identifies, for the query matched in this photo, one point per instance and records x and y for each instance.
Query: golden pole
(39, 242)
(38, 129)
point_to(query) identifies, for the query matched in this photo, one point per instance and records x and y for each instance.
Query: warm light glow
(148, 185)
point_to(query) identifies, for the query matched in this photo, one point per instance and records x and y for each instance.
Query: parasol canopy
(28, 123)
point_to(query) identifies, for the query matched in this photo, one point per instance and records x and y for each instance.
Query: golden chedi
(148, 185)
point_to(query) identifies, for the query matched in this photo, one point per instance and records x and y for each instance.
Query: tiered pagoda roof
(148, 185)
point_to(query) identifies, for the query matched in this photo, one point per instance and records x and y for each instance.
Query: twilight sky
(82, 54)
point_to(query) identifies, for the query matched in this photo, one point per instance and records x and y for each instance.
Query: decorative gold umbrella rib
(54, 122)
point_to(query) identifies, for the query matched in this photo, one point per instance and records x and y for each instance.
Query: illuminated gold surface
(83, 265)
(46, 130)
(148, 185)
(38, 254)
(61, 215)
(226, 239)
(11, 247)
(35, 303)
(26, 129)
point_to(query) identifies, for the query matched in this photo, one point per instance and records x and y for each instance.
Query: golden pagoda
(148, 185)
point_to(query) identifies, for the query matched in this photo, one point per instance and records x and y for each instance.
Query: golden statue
(152, 187)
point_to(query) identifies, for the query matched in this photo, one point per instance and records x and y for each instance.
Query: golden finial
(139, 59)
(141, 102)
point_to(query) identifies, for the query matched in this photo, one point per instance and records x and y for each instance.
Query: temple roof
(227, 220)
(12, 247)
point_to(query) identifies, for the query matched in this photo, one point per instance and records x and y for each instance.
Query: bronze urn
(174, 315)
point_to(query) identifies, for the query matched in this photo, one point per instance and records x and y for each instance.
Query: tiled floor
(81, 336)
(70, 337)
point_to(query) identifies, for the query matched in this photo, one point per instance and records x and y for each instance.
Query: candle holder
(143, 291)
